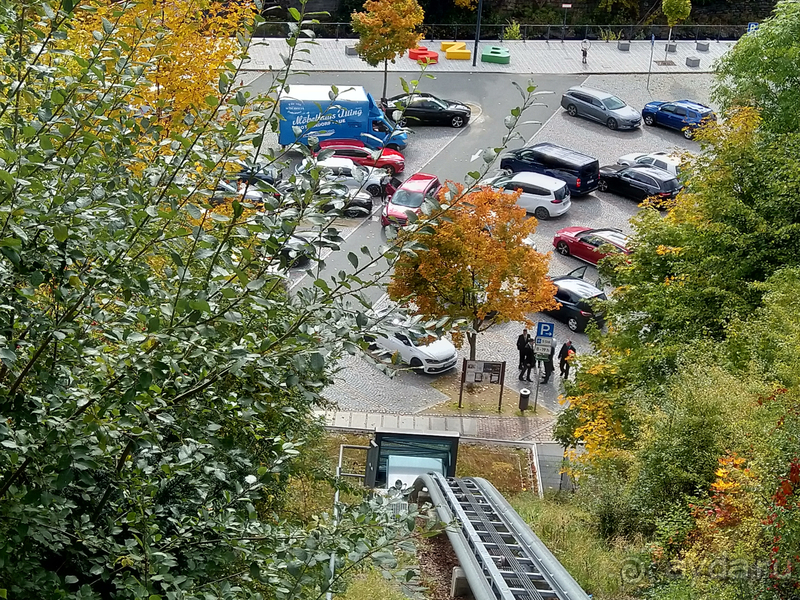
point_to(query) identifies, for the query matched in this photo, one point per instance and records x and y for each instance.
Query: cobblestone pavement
(526, 57)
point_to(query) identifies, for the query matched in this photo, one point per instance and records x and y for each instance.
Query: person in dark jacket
(564, 358)
(522, 341)
(527, 362)
(548, 362)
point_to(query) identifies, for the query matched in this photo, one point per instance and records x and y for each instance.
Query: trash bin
(524, 397)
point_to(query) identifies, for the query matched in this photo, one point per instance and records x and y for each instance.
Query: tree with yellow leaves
(475, 266)
(387, 29)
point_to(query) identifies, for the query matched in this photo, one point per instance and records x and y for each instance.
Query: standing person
(564, 358)
(527, 361)
(522, 341)
(548, 362)
(585, 49)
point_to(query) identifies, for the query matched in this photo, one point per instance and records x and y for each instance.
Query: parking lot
(436, 150)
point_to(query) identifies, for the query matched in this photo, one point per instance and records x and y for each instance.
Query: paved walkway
(532, 57)
(527, 429)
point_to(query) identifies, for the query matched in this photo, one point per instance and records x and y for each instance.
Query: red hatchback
(409, 197)
(584, 243)
(391, 160)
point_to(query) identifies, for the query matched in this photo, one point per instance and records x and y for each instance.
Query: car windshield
(561, 193)
(613, 103)
(671, 184)
(438, 103)
(406, 198)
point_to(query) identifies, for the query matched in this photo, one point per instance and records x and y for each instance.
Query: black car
(579, 171)
(576, 296)
(638, 182)
(356, 204)
(254, 174)
(421, 108)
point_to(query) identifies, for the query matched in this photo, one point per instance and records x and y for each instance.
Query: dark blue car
(683, 115)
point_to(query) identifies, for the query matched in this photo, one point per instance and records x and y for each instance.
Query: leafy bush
(512, 31)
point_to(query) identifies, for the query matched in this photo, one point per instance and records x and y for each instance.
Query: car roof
(615, 236)
(418, 182)
(599, 94)
(581, 287)
(330, 143)
(692, 105)
(336, 161)
(549, 183)
(567, 155)
(654, 172)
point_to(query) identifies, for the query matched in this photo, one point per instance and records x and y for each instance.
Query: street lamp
(477, 33)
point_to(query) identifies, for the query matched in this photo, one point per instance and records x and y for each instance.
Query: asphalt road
(439, 150)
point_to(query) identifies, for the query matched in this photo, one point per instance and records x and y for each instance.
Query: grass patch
(371, 585)
(566, 530)
(479, 399)
(508, 469)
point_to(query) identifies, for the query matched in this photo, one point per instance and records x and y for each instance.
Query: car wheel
(457, 121)
(572, 110)
(688, 133)
(374, 189)
(649, 120)
(541, 213)
(402, 122)
(390, 170)
(394, 147)
(562, 248)
(602, 185)
(416, 364)
(573, 324)
(612, 124)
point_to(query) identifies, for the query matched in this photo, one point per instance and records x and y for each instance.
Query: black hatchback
(639, 182)
(576, 296)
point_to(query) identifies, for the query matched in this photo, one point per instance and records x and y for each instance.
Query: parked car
(544, 196)
(639, 182)
(663, 160)
(298, 250)
(579, 171)
(575, 297)
(354, 204)
(585, 243)
(600, 106)
(390, 161)
(409, 197)
(433, 357)
(226, 191)
(346, 172)
(253, 174)
(683, 115)
(426, 109)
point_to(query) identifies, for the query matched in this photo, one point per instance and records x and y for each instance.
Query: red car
(391, 160)
(584, 243)
(409, 197)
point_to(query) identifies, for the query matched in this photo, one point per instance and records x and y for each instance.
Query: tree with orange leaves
(475, 266)
(386, 30)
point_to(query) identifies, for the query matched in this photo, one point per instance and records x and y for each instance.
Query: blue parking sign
(544, 330)
(752, 27)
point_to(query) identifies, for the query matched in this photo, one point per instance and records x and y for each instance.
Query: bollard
(524, 396)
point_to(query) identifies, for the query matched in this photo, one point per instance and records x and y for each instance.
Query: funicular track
(500, 555)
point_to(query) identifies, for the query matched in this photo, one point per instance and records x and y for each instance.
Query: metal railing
(496, 31)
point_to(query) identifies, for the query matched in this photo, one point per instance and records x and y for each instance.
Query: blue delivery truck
(308, 110)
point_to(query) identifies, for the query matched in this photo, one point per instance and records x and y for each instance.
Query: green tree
(387, 29)
(157, 380)
(675, 11)
(761, 71)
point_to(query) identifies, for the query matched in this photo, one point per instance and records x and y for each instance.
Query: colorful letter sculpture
(421, 53)
(455, 51)
(496, 54)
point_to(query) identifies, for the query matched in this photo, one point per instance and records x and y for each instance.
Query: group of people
(527, 357)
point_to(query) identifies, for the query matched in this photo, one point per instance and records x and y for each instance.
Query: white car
(436, 357)
(545, 197)
(671, 163)
(355, 176)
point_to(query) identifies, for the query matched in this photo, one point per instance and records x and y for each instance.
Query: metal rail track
(501, 557)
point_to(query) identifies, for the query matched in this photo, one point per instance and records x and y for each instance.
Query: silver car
(600, 106)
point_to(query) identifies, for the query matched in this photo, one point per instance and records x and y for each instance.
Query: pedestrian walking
(564, 356)
(522, 341)
(527, 361)
(585, 44)
(548, 362)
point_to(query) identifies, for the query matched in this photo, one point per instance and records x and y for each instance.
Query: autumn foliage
(476, 266)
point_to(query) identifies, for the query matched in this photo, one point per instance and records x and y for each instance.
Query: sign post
(483, 371)
(542, 345)
(650, 67)
(477, 33)
(566, 7)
